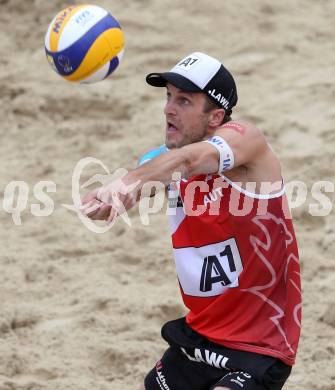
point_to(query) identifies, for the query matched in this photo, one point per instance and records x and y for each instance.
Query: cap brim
(181, 82)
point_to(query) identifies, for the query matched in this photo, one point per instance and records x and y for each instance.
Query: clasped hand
(109, 201)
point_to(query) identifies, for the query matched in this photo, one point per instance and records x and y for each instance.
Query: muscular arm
(246, 142)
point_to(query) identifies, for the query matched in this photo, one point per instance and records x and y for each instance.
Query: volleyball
(84, 43)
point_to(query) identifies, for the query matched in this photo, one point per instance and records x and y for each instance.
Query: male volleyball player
(238, 268)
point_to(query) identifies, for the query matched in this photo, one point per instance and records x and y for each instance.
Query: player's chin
(174, 140)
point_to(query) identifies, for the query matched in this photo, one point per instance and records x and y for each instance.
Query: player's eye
(184, 100)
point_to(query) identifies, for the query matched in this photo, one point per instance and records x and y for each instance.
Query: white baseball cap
(199, 72)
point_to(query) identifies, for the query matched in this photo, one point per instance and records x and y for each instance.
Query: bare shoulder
(246, 141)
(242, 134)
(243, 128)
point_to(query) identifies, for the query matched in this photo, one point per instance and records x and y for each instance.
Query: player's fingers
(89, 197)
(102, 213)
(90, 207)
(112, 216)
(104, 195)
(87, 205)
(129, 202)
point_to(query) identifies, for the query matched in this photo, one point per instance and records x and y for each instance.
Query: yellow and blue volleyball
(84, 43)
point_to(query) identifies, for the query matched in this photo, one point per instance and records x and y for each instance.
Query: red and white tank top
(237, 263)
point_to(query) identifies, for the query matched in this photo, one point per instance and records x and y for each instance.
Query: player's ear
(216, 117)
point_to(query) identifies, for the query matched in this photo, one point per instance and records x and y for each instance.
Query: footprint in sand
(329, 315)
(298, 143)
(93, 108)
(165, 312)
(50, 325)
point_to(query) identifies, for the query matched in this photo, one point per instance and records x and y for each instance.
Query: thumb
(89, 196)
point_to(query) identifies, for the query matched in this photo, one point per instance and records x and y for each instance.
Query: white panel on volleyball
(47, 36)
(120, 55)
(79, 24)
(99, 75)
(102, 72)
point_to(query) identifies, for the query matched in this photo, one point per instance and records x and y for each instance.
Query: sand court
(81, 310)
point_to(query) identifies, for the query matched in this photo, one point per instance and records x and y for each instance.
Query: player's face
(186, 121)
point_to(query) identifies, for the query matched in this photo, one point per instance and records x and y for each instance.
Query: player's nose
(170, 107)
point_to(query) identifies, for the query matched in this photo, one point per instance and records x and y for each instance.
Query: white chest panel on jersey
(208, 270)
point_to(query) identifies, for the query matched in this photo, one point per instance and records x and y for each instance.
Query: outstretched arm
(244, 141)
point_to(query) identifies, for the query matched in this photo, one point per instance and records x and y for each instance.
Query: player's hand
(93, 208)
(109, 201)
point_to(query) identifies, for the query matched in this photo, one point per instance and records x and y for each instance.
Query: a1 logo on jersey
(209, 270)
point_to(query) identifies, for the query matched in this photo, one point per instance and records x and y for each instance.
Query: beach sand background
(81, 310)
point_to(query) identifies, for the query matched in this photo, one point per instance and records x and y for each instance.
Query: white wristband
(226, 154)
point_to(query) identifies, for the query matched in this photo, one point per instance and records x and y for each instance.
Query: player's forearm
(161, 169)
(180, 163)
